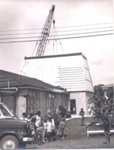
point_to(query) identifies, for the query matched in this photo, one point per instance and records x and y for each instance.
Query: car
(14, 132)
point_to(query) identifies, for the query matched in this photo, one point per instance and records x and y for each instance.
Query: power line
(81, 25)
(86, 25)
(58, 38)
(11, 34)
(56, 35)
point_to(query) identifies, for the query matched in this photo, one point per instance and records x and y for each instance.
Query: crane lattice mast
(44, 37)
(45, 33)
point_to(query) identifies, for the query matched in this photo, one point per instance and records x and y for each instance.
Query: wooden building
(25, 94)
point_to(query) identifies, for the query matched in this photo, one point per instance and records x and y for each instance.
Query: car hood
(13, 121)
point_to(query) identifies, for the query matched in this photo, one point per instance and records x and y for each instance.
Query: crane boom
(45, 33)
(44, 37)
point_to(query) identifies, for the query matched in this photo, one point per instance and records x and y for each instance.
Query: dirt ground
(76, 137)
(92, 142)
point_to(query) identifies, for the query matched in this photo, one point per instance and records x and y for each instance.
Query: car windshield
(4, 111)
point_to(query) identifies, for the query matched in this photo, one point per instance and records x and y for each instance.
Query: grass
(74, 130)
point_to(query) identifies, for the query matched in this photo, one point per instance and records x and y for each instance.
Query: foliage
(103, 103)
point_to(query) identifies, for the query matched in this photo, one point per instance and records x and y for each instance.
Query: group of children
(48, 125)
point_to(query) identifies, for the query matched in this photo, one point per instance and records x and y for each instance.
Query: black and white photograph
(56, 74)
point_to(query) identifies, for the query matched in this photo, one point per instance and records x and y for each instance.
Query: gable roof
(15, 80)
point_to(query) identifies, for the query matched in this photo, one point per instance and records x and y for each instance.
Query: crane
(45, 33)
(44, 36)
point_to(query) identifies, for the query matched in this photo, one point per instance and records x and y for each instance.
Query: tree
(103, 103)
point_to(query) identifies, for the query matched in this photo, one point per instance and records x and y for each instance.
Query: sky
(16, 15)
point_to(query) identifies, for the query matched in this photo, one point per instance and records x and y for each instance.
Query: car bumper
(27, 139)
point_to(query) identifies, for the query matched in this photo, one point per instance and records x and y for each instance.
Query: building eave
(80, 91)
(44, 89)
(52, 56)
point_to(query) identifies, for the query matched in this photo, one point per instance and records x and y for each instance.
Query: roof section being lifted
(51, 56)
(70, 71)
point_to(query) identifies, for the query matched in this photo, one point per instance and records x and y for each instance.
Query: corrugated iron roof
(9, 79)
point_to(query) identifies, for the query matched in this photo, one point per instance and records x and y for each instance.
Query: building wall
(21, 102)
(21, 106)
(61, 100)
(80, 98)
(47, 102)
(30, 101)
(43, 101)
(51, 101)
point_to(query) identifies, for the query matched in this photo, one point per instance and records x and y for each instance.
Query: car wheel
(9, 142)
